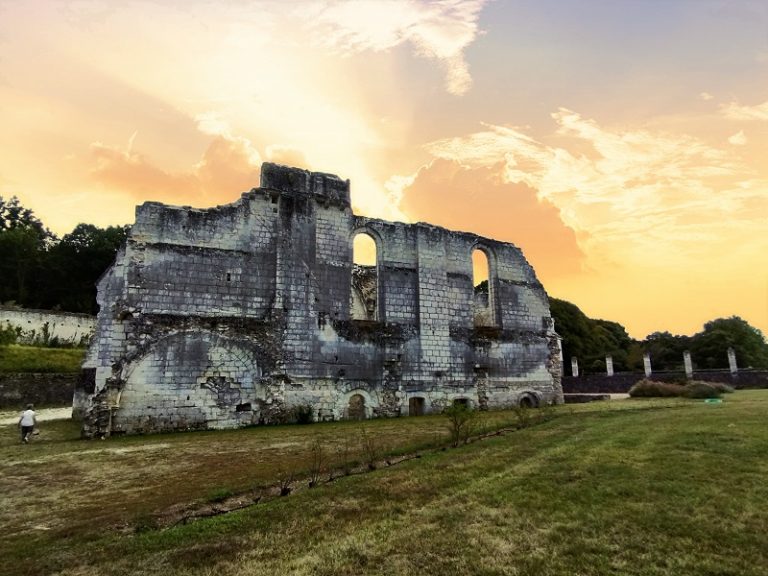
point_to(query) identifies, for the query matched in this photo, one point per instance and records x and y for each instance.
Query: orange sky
(622, 146)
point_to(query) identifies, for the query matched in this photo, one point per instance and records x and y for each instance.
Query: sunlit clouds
(735, 111)
(439, 30)
(631, 172)
(641, 204)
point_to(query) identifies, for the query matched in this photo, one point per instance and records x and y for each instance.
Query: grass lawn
(636, 487)
(15, 358)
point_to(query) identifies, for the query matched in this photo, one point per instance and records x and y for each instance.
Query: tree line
(590, 340)
(40, 270)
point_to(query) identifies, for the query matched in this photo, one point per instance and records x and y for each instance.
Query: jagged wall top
(295, 181)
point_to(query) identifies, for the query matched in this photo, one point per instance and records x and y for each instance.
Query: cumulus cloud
(439, 30)
(228, 166)
(638, 187)
(735, 111)
(287, 155)
(738, 139)
(476, 199)
(705, 96)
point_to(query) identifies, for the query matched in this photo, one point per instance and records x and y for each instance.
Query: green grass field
(15, 358)
(636, 487)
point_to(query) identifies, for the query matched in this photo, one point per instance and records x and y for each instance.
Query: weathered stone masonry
(234, 315)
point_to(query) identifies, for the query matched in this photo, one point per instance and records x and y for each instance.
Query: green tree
(589, 340)
(76, 263)
(666, 350)
(24, 242)
(709, 347)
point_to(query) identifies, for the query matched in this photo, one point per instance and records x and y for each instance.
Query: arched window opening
(481, 302)
(365, 282)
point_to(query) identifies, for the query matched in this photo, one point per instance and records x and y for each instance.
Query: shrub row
(694, 389)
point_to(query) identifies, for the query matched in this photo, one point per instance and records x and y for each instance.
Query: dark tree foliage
(24, 242)
(709, 347)
(37, 270)
(77, 262)
(589, 340)
(666, 350)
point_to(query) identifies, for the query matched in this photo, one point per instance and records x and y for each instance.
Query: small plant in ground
(286, 476)
(652, 389)
(317, 462)
(145, 523)
(699, 389)
(344, 455)
(546, 411)
(219, 495)
(461, 421)
(369, 446)
(523, 415)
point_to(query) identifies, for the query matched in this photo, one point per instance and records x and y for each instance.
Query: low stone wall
(42, 327)
(621, 382)
(18, 390)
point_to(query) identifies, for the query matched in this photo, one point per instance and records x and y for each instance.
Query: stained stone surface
(243, 314)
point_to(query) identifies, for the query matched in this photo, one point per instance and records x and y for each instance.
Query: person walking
(27, 423)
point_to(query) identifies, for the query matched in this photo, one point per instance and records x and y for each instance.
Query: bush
(8, 334)
(722, 387)
(460, 422)
(652, 389)
(303, 414)
(701, 390)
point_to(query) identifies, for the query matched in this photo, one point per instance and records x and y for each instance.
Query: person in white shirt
(27, 423)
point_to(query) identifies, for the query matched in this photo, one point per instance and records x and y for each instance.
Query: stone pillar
(647, 364)
(574, 366)
(688, 364)
(609, 365)
(732, 361)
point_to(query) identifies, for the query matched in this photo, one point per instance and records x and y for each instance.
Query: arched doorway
(356, 407)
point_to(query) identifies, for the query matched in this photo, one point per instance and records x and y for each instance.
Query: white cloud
(636, 188)
(439, 30)
(705, 96)
(738, 139)
(287, 155)
(213, 124)
(734, 111)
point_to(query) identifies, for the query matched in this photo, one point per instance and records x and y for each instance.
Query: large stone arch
(344, 403)
(190, 380)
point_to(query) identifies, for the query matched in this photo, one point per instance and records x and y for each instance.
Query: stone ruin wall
(234, 315)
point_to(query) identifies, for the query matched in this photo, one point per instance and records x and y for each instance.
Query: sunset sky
(622, 144)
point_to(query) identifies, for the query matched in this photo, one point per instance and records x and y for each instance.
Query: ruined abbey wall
(235, 315)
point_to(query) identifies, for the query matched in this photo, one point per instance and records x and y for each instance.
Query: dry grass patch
(590, 492)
